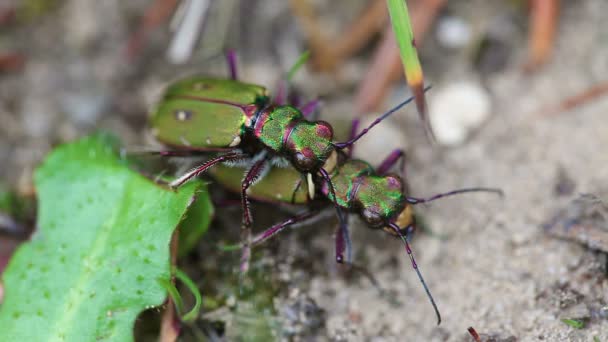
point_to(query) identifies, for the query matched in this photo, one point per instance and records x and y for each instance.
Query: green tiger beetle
(353, 186)
(215, 115)
(200, 114)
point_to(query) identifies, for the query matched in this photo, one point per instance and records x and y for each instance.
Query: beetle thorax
(285, 131)
(309, 144)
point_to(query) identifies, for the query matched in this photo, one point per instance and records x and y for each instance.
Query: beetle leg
(272, 231)
(231, 60)
(310, 110)
(252, 175)
(202, 168)
(343, 242)
(391, 160)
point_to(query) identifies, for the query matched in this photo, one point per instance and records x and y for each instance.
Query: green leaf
(195, 224)
(575, 323)
(101, 246)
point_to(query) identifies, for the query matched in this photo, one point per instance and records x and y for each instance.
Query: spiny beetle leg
(252, 175)
(202, 168)
(277, 228)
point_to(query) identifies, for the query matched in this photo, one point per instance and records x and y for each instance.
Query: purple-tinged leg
(231, 60)
(310, 108)
(415, 200)
(342, 238)
(202, 168)
(391, 160)
(294, 99)
(343, 243)
(281, 97)
(272, 231)
(251, 177)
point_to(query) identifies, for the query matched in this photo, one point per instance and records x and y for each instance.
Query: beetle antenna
(415, 266)
(345, 144)
(343, 231)
(415, 200)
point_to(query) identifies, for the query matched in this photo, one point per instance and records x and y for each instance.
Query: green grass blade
(575, 323)
(302, 59)
(198, 299)
(404, 36)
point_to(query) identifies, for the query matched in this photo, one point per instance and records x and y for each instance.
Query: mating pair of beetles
(278, 147)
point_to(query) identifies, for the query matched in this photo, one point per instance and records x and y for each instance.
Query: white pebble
(456, 110)
(453, 32)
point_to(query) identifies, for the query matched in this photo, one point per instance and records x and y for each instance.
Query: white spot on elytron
(182, 115)
(235, 142)
(279, 196)
(208, 141)
(201, 86)
(311, 186)
(184, 141)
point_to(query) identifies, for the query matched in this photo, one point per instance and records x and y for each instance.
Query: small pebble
(453, 32)
(456, 110)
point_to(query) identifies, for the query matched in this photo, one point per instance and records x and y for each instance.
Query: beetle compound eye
(303, 162)
(182, 115)
(324, 130)
(372, 218)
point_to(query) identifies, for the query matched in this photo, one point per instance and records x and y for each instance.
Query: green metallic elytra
(204, 113)
(284, 185)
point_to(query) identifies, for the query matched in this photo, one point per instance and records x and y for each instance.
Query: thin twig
(169, 327)
(541, 37)
(590, 94)
(329, 53)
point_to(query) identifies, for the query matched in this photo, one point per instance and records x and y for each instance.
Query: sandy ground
(488, 261)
